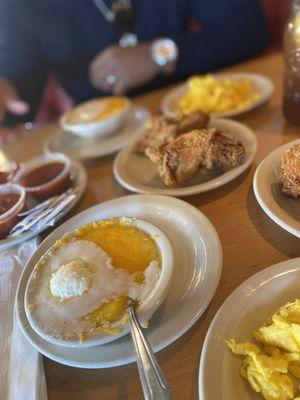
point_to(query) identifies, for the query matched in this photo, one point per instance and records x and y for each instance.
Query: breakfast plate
(243, 312)
(197, 269)
(79, 177)
(169, 104)
(137, 173)
(80, 148)
(283, 210)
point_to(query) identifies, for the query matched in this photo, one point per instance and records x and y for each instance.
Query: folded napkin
(21, 368)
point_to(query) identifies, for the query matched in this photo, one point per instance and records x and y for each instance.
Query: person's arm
(230, 31)
(21, 62)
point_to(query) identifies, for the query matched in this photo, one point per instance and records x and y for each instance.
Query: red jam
(42, 174)
(12, 202)
(7, 201)
(46, 179)
(7, 175)
(4, 177)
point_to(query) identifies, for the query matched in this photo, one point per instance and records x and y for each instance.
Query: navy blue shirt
(65, 35)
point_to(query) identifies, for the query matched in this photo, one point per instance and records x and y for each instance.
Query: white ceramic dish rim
(13, 188)
(266, 274)
(40, 161)
(260, 198)
(208, 231)
(145, 310)
(80, 128)
(221, 180)
(181, 89)
(112, 148)
(10, 242)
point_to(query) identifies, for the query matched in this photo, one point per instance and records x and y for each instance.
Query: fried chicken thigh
(290, 172)
(197, 150)
(162, 130)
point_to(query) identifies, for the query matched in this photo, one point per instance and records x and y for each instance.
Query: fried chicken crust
(179, 160)
(162, 130)
(290, 172)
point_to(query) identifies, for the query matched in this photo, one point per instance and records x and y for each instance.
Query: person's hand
(9, 100)
(117, 69)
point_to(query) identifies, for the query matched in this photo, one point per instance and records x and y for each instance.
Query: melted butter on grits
(84, 282)
(129, 247)
(96, 110)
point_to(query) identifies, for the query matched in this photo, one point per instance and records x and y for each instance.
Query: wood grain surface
(250, 240)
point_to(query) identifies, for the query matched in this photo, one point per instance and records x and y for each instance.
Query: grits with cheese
(85, 281)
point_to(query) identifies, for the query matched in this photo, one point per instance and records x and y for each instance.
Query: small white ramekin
(99, 128)
(145, 309)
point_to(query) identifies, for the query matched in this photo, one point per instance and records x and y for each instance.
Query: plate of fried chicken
(277, 186)
(186, 155)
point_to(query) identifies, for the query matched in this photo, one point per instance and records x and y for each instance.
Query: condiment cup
(10, 217)
(145, 309)
(8, 171)
(57, 185)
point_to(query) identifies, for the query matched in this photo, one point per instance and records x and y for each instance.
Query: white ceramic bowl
(98, 128)
(145, 309)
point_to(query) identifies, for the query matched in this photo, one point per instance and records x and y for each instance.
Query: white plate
(283, 210)
(137, 173)
(169, 104)
(80, 179)
(83, 149)
(243, 312)
(197, 269)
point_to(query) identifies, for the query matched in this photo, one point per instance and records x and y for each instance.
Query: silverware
(153, 382)
(44, 213)
(39, 207)
(47, 203)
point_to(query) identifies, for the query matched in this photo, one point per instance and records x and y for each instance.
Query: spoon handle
(153, 382)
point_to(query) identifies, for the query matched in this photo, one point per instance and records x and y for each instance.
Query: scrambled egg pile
(271, 371)
(214, 96)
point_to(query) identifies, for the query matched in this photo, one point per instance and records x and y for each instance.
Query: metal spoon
(153, 382)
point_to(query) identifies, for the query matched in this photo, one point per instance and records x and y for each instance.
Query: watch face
(164, 51)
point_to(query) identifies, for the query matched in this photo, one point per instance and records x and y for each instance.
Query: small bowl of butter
(97, 117)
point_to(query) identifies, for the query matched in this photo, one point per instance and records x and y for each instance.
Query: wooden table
(250, 240)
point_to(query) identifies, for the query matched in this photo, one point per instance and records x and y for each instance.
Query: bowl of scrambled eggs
(220, 95)
(80, 289)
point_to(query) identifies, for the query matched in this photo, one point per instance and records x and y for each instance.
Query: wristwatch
(164, 52)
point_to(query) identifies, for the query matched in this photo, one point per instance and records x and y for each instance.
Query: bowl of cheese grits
(97, 117)
(80, 289)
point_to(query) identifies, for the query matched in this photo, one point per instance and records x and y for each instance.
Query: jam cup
(7, 172)
(12, 202)
(45, 176)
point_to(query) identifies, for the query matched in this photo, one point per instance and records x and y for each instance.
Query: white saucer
(243, 312)
(283, 210)
(169, 104)
(197, 269)
(137, 173)
(83, 149)
(79, 181)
